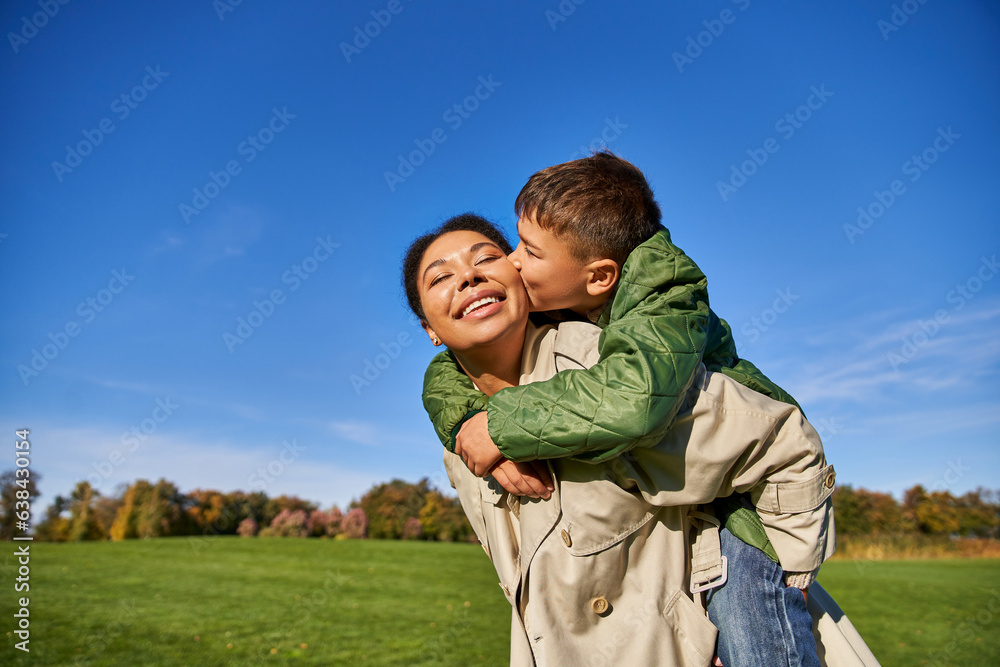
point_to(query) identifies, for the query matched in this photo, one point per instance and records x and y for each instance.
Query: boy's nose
(515, 257)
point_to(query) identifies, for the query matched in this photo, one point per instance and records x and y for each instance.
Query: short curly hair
(602, 204)
(466, 222)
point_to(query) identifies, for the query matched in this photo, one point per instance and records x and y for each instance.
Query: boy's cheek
(536, 300)
(531, 276)
(538, 285)
(532, 299)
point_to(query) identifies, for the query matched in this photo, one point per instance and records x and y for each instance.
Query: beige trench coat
(601, 572)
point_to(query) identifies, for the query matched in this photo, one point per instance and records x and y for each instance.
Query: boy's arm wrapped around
(656, 331)
(449, 397)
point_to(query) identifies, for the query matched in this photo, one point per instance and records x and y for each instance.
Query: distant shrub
(355, 524)
(325, 524)
(287, 524)
(247, 528)
(412, 530)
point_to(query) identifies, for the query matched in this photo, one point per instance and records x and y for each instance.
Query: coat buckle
(699, 585)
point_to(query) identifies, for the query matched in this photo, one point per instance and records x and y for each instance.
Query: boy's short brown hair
(602, 203)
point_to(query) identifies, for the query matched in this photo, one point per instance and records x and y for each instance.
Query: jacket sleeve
(449, 396)
(650, 350)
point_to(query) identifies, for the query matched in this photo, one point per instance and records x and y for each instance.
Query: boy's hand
(474, 444)
(530, 479)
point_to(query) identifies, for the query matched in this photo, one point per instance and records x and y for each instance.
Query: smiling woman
(471, 294)
(470, 297)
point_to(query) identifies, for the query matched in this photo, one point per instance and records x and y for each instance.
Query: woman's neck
(495, 366)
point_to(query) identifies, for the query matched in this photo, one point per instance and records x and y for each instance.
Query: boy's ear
(602, 276)
(430, 333)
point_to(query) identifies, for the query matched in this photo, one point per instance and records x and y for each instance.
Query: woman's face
(471, 294)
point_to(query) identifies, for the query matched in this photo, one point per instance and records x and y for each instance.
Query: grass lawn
(184, 601)
(922, 612)
(231, 601)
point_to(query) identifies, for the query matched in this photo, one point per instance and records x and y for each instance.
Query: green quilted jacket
(656, 331)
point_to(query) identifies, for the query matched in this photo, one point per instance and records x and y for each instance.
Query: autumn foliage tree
(83, 523)
(862, 512)
(217, 513)
(54, 527)
(442, 518)
(15, 488)
(388, 507)
(149, 510)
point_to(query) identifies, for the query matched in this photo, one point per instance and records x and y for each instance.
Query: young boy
(592, 243)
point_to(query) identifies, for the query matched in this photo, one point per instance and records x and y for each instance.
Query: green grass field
(230, 601)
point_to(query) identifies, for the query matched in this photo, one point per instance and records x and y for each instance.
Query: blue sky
(170, 170)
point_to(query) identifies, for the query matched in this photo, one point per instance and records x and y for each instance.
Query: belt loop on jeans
(709, 568)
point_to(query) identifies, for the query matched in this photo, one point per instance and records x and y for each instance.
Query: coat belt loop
(709, 568)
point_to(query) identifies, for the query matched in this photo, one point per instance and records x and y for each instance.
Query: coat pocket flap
(596, 512)
(795, 498)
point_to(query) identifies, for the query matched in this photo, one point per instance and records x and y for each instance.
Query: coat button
(567, 540)
(831, 478)
(599, 605)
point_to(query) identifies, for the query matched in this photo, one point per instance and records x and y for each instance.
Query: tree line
(922, 512)
(402, 510)
(143, 509)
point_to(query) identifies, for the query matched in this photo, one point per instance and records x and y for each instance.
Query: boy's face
(552, 275)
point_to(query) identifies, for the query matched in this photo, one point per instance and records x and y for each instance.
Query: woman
(610, 572)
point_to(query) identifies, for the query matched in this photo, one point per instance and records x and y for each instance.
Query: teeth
(476, 304)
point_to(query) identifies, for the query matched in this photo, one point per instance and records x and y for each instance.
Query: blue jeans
(762, 623)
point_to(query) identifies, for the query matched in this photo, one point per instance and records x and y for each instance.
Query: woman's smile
(470, 292)
(482, 303)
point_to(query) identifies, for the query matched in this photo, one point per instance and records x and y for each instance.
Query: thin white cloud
(363, 433)
(125, 385)
(926, 423)
(234, 228)
(167, 240)
(373, 434)
(242, 410)
(846, 365)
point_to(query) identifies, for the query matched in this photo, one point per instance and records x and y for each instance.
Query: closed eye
(439, 279)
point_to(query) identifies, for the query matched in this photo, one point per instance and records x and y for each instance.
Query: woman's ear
(430, 333)
(602, 276)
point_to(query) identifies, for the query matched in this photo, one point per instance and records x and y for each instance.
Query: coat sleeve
(449, 396)
(650, 350)
(734, 440)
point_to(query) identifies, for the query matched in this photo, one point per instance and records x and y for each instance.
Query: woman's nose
(471, 277)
